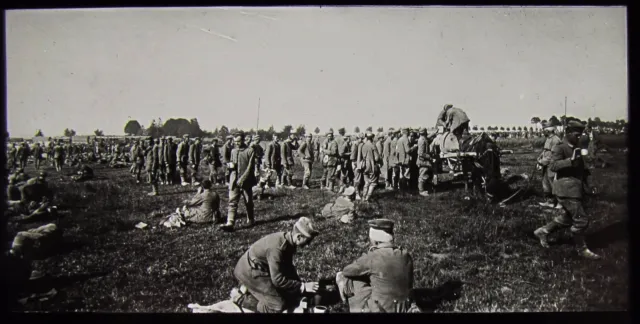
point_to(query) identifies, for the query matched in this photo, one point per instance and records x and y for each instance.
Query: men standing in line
(273, 158)
(544, 159)
(369, 163)
(403, 148)
(423, 163)
(305, 152)
(183, 159)
(286, 149)
(171, 159)
(226, 157)
(242, 178)
(380, 281)
(195, 150)
(568, 164)
(329, 162)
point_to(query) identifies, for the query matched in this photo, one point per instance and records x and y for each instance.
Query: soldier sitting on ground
(266, 271)
(342, 208)
(203, 208)
(33, 190)
(20, 176)
(83, 173)
(381, 280)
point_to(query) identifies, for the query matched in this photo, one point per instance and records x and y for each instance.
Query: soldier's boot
(290, 182)
(330, 186)
(154, 189)
(183, 181)
(370, 190)
(304, 183)
(543, 232)
(250, 216)
(421, 189)
(228, 226)
(358, 194)
(583, 250)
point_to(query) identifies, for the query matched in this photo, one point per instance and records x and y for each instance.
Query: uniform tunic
(544, 159)
(267, 271)
(384, 274)
(203, 208)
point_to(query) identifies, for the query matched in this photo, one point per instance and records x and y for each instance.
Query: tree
(69, 132)
(520, 128)
(597, 121)
(356, 130)
(501, 128)
(369, 129)
(531, 129)
(195, 129)
(300, 131)
(224, 132)
(132, 127)
(535, 120)
(475, 128)
(286, 130)
(39, 133)
(380, 129)
(98, 132)
(482, 128)
(554, 121)
(317, 130)
(508, 129)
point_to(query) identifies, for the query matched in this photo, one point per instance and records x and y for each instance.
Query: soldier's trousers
(358, 182)
(287, 175)
(424, 174)
(371, 182)
(392, 175)
(307, 172)
(346, 174)
(574, 217)
(184, 169)
(278, 170)
(358, 293)
(234, 200)
(547, 182)
(170, 173)
(194, 170)
(58, 163)
(37, 163)
(328, 175)
(138, 169)
(213, 173)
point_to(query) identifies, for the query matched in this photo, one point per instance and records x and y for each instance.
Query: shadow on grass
(615, 232)
(428, 299)
(278, 219)
(46, 283)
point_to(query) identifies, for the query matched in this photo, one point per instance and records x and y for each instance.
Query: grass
(109, 265)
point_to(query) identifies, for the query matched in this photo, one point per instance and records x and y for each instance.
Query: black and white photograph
(317, 159)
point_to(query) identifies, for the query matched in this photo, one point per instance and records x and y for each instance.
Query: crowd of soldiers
(382, 279)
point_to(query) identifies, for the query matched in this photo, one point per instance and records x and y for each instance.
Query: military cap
(185, 136)
(369, 134)
(238, 133)
(330, 132)
(447, 106)
(382, 224)
(361, 135)
(422, 130)
(349, 191)
(306, 227)
(406, 130)
(390, 131)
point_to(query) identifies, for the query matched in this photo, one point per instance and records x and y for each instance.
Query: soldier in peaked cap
(214, 161)
(273, 160)
(423, 162)
(171, 159)
(330, 159)
(266, 271)
(305, 152)
(403, 150)
(568, 164)
(346, 169)
(182, 153)
(226, 157)
(162, 163)
(195, 150)
(544, 159)
(286, 150)
(382, 279)
(369, 165)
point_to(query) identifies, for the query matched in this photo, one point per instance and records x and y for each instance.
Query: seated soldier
(342, 208)
(382, 279)
(34, 211)
(34, 190)
(21, 176)
(203, 208)
(83, 173)
(266, 271)
(13, 189)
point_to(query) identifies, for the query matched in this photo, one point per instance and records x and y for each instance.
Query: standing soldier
(305, 152)
(13, 158)
(68, 150)
(58, 156)
(195, 150)
(544, 159)
(138, 158)
(387, 169)
(423, 163)
(37, 155)
(316, 148)
(161, 160)
(214, 162)
(226, 157)
(569, 166)
(403, 149)
(356, 152)
(259, 151)
(50, 145)
(23, 155)
(183, 159)
(273, 159)
(346, 171)
(133, 154)
(380, 147)
(286, 149)
(241, 181)
(368, 163)
(152, 165)
(171, 159)
(329, 162)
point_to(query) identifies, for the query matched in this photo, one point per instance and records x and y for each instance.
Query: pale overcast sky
(326, 67)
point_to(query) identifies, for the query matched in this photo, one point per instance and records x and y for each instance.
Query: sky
(320, 67)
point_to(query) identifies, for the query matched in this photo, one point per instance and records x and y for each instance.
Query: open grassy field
(109, 265)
